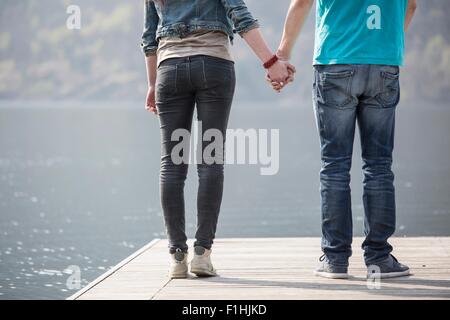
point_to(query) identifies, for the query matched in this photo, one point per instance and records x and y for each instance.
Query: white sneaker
(178, 265)
(201, 264)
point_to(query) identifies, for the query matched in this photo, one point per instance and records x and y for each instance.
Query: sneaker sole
(388, 275)
(203, 272)
(178, 276)
(331, 275)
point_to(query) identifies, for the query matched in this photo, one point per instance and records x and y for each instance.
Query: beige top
(208, 43)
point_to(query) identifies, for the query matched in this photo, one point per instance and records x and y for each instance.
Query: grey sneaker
(327, 270)
(201, 264)
(388, 268)
(178, 265)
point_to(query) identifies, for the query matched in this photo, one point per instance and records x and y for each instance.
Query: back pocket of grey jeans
(389, 91)
(219, 76)
(166, 81)
(334, 87)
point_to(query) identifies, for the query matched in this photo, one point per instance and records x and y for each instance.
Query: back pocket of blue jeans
(389, 94)
(334, 87)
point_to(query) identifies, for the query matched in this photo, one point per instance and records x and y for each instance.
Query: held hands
(280, 74)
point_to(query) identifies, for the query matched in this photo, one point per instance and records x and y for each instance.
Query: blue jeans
(368, 95)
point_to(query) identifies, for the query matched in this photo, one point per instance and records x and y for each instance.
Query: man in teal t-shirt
(358, 50)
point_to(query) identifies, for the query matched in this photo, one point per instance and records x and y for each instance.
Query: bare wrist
(282, 55)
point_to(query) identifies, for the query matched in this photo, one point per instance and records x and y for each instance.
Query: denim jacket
(182, 17)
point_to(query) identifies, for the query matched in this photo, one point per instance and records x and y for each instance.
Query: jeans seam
(204, 74)
(176, 78)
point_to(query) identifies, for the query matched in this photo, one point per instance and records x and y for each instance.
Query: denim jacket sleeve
(238, 12)
(149, 43)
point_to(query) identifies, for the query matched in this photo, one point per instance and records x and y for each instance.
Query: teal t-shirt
(360, 32)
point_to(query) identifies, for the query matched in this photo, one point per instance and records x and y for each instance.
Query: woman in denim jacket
(186, 44)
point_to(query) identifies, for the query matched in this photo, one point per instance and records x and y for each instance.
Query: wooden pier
(276, 268)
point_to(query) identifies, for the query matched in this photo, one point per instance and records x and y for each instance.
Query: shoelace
(322, 257)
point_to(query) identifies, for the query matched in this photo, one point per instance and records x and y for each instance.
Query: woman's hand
(150, 104)
(151, 63)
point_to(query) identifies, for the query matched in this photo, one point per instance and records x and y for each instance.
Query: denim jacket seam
(150, 51)
(253, 25)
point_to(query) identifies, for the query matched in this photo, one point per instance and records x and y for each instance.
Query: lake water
(79, 185)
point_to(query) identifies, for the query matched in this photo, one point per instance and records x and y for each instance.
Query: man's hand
(150, 104)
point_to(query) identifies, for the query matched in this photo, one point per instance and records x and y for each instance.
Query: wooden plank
(110, 272)
(276, 268)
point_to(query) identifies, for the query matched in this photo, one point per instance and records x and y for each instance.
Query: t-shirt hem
(389, 62)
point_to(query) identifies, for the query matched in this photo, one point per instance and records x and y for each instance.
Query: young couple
(358, 50)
